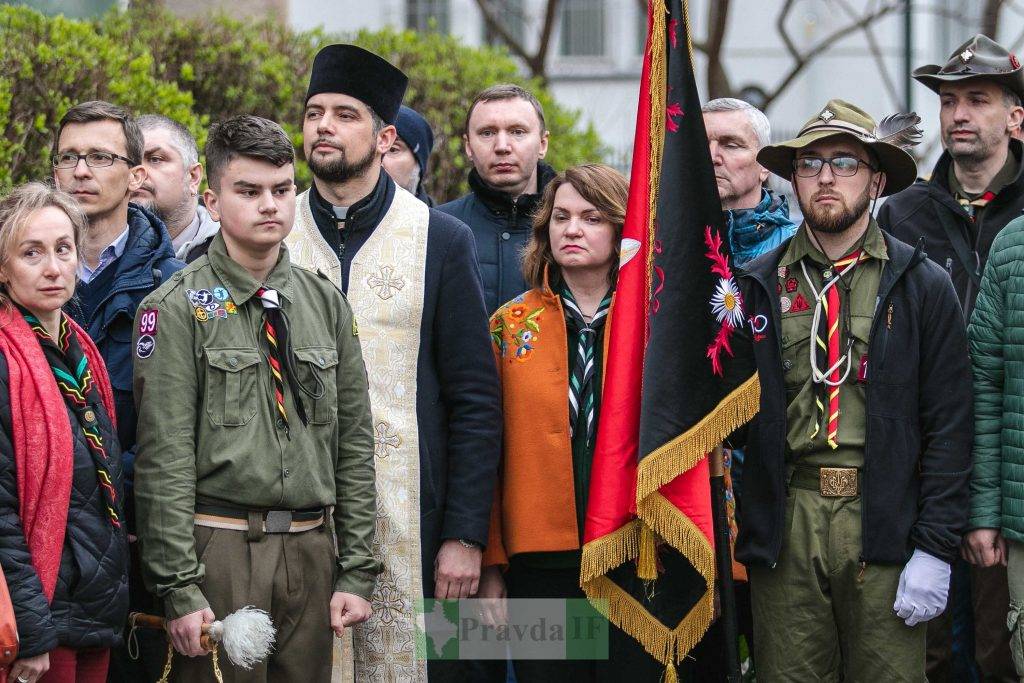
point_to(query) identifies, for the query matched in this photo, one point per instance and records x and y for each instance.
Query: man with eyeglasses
(975, 189)
(125, 254)
(855, 488)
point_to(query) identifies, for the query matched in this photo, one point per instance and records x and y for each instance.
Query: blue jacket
(757, 231)
(501, 227)
(105, 307)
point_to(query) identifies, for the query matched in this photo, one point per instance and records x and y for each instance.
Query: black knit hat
(353, 71)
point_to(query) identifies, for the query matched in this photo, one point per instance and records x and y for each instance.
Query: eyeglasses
(843, 166)
(92, 159)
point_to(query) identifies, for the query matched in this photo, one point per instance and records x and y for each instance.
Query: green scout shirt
(209, 430)
(797, 305)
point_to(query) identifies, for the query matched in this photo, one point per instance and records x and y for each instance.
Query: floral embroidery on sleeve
(522, 328)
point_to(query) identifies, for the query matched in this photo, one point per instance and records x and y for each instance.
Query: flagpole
(723, 565)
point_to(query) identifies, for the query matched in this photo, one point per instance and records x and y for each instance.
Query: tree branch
(801, 60)
(537, 61)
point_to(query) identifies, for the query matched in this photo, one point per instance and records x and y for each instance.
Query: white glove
(924, 587)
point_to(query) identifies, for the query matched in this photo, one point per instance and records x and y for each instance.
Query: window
(511, 15)
(76, 9)
(428, 15)
(582, 28)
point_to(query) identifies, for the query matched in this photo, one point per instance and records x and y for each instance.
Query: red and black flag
(649, 531)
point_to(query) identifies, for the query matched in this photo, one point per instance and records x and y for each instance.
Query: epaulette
(327, 277)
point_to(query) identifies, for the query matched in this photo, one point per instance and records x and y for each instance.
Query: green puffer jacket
(996, 335)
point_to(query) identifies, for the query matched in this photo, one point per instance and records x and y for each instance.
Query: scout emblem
(826, 115)
(230, 307)
(799, 304)
(966, 55)
(791, 285)
(145, 345)
(201, 314)
(786, 304)
(220, 294)
(202, 298)
(783, 271)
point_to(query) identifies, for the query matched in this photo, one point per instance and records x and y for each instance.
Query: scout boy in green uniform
(855, 493)
(254, 424)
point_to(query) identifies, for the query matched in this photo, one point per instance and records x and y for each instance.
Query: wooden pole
(723, 565)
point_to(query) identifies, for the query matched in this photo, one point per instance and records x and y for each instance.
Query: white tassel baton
(246, 635)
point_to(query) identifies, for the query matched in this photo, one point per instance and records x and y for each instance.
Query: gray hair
(181, 138)
(758, 121)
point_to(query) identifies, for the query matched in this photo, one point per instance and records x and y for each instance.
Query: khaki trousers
(291, 576)
(819, 615)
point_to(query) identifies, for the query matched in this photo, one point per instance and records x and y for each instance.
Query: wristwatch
(469, 544)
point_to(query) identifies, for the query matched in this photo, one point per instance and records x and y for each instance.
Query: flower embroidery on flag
(726, 302)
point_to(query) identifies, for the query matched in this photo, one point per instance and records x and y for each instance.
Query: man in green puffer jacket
(997, 480)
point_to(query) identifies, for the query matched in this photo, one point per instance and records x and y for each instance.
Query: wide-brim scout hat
(978, 58)
(839, 118)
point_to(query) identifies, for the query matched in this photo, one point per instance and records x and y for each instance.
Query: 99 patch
(147, 321)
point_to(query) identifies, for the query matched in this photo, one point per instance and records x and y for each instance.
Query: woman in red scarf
(62, 542)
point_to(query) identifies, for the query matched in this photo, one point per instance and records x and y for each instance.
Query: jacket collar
(748, 228)
(237, 280)
(148, 243)
(502, 202)
(939, 179)
(365, 214)
(902, 257)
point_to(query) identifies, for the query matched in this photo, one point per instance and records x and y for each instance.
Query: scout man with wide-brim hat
(980, 57)
(855, 491)
(842, 118)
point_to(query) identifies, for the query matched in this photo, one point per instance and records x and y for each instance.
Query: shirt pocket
(231, 385)
(317, 368)
(796, 341)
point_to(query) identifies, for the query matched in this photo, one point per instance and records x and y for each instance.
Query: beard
(972, 152)
(341, 170)
(833, 222)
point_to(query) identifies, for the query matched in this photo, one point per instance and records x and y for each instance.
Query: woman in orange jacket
(550, 344)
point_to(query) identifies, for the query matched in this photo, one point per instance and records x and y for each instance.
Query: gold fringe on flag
(683, 452)
(604, 554)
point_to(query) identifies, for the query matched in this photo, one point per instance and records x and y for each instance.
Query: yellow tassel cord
(647, 564)
(165, 676)
(670, 674)
(658, 90)
(683, 452)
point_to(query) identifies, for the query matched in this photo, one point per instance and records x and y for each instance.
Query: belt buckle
(836, 482)
(278, 522)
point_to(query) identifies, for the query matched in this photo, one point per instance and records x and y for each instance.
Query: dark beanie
(351, 70)
(415, 132)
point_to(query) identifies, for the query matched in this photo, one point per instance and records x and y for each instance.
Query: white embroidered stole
(386, 290)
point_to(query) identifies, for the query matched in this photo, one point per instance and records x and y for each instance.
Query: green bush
(47, 64)
(204, 69)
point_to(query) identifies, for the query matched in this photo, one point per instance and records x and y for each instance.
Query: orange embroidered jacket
(535, 505)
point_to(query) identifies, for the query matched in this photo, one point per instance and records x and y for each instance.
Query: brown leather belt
(830, 482)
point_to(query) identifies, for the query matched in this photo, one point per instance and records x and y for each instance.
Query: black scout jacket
(914, 486)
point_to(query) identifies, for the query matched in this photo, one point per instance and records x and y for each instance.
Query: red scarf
(43, 444)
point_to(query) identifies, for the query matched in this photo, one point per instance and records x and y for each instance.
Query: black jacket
(501, 227)
(919, 409)
(458, 404)
(927, 210)
(106, 306)
(90, 602)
